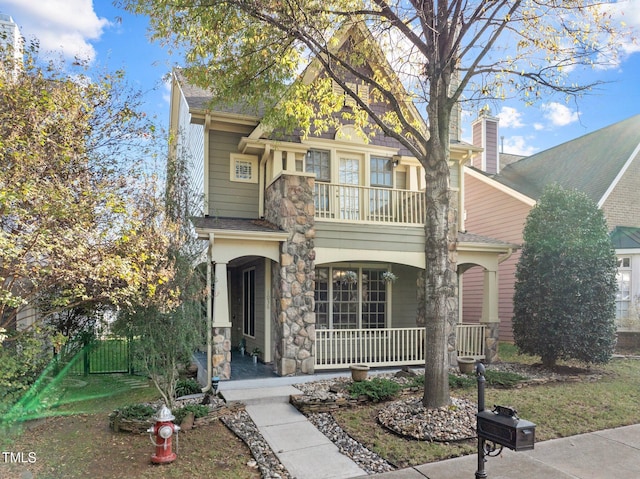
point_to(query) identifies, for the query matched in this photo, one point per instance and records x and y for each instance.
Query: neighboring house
(317, 245)
(11, 44)
(604, 164)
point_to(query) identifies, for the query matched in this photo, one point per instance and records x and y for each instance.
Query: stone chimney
(485, 135)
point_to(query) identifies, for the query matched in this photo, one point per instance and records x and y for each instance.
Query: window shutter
(348, 100)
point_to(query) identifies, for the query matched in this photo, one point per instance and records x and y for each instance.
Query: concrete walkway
(307, 454)
(608, 454)
(303, 450)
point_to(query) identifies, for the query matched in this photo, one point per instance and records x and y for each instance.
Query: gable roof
(591, 163)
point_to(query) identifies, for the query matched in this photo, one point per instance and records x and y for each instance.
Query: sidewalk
(307, 454)
(608, 454)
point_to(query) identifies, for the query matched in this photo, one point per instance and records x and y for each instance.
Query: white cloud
(538, 126)
(558, 114)
(517, 145)
(510, 118)
(63, 26)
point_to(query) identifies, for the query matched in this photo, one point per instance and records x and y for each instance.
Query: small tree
(564, 300)
(170, 327)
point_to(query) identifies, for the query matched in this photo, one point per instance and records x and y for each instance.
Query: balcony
(367, 204)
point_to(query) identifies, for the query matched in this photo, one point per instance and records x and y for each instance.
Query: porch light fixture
(394, 161)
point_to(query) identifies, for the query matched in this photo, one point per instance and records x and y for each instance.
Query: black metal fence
(98, 356)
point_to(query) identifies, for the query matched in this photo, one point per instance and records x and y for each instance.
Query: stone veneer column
(289, 204)
(491, 341)
(221, 352)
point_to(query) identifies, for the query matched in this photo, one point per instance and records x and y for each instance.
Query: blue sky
(113, 38)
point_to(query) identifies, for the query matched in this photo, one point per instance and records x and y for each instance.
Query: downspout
(262, 179)
(209, 314)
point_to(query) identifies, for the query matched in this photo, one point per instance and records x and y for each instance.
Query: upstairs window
(318, 163)
(381, 172)
(243, 168)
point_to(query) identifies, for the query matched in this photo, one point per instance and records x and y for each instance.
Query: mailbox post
(480, 473)
(502, 427)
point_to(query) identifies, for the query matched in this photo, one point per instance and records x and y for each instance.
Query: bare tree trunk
(439, 271)
(437, 291)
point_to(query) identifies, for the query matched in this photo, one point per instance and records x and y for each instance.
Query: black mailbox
(503, 427)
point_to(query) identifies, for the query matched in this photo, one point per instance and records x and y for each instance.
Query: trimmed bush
(184, 387)
(137, 411)
(198, 410)
(376, 389)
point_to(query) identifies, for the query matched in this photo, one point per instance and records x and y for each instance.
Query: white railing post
(360, 203)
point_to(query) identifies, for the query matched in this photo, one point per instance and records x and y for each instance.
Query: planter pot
(466, 364)
(359, 372)
(255, 359)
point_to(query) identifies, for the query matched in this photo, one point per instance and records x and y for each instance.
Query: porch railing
(338, 348)
(368, 204)
(470, 340)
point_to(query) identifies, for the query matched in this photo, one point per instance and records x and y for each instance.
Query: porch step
(265, 395)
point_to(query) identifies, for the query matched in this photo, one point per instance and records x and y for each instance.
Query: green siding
(369, 237)
(228, 198)
(454, 176)
(405, 302)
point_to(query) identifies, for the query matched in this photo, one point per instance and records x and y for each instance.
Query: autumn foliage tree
(70, 227)
(444, 52)
(74, 232)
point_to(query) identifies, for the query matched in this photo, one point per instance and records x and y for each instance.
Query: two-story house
(604, 164)
(316, 246)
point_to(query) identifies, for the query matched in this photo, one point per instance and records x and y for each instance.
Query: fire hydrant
(161, 433)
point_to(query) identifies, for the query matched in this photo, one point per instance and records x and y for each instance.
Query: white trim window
(623, 295)
(354, 298)
(249, 302)
(318, 162)
(243, 168)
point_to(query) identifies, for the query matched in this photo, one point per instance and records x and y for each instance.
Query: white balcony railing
(338, 348)
(364, 203)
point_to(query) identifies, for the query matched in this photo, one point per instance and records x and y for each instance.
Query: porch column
(221, 327)
(490, 316)
(289, 204)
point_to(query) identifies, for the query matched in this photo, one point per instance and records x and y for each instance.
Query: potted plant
(350, 277)
(466, 364)
(359, 372)
(389, 277)
(256, 354)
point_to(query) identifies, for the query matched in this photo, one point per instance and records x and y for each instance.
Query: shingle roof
(589, 163)
(466, 237)
(625, 237)
(200, 99)
(235, 224)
